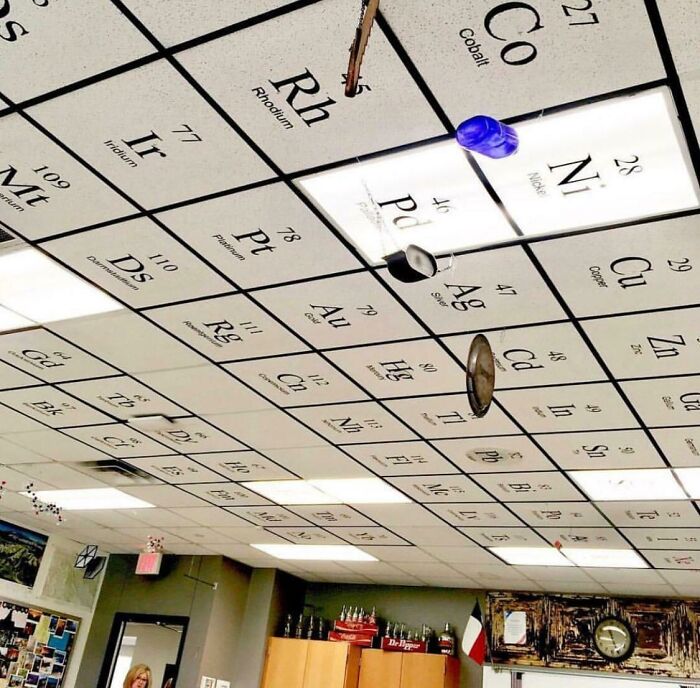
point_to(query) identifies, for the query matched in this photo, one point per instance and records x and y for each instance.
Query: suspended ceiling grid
(85, 91)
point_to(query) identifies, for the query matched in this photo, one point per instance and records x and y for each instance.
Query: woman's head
(139, 676)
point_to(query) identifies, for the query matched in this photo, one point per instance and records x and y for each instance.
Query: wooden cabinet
(292, 663)
(380, 669)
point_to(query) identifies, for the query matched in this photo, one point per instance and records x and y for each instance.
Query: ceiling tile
(401, 458)
(441, 488)
(651, 514)
(317, 462)
(495, 454)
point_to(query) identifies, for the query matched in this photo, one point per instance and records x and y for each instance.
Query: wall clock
(613, 639)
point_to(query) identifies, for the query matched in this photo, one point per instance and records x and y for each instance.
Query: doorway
(154, 640)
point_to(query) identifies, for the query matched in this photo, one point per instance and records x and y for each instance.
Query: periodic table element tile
(529, 487)
(306, 536)
(52, 407)
(119, 441)
(123, 397)
(680, 445)
(401, 370)
(651, 514)
(145, 268)
(245, 465)
(175, 469)
(532, 356)
(46, 356)
(440, 488)
(672, 559)
(204, 389)
(43, 190)
(296, 107)
(495, 454)
(572, 173)
(402, 458)
(585, 538)
(429, 196)
(226, 494)
(367, 535)
(476, 515)
(506, 59)
(450, 416)
(179, 23)
(503, 537)
(267, 430)
(559, 514)
(483, 290)
(663, 538)
(120, 337)
(353, 423)
(333, 515)
(578, 407)
(195, 436)
(341, 311)
(297, 380)
(227, 328)
(666, 401)
(600, 273)
(318, 462)
(161, 145)
(648, 344)
(261, 237)
(268, 516)
(10, 378)
(601, 450)
(52, 44)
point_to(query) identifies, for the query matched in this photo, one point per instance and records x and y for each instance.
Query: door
(423, 671)
(326, 664)
(379, 669)
(285, 662)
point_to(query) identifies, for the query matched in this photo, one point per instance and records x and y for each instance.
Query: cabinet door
(423, 671)
(379, 669)
(326, 664)
(285, 663)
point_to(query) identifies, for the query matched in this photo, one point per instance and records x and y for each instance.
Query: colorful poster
(35, 646)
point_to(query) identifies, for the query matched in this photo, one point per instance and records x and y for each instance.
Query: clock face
(613, 639)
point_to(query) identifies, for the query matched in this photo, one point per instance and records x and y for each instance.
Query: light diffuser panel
(631, 485)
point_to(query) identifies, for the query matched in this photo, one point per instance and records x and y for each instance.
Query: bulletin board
(35, 646)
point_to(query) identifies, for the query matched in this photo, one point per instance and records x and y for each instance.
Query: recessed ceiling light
(12, 321)
(629, 485)
(290, 492)
(429, 196)
(98, 498)
(40, 289)
(531, 556)
(613, 558)
(316, 552)
(361, 491)
(690, 479)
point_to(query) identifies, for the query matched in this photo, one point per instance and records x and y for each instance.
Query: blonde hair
(134, 674)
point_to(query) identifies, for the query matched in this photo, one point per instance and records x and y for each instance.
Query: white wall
(57, 550)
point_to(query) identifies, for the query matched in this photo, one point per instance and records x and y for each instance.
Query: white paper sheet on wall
(514, 628)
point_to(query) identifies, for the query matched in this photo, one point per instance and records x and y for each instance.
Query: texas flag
(474, 638)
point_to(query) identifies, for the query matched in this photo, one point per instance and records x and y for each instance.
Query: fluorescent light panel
(290, 492)
(316, 552)
(613, 558)
(361, 491)
(341, 491)
(629, 485)
(38, 288)
(531, 556)
(99, 498)
(690, 479)
(10, 320)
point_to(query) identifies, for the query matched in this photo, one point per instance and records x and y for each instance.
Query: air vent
(116, 472)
